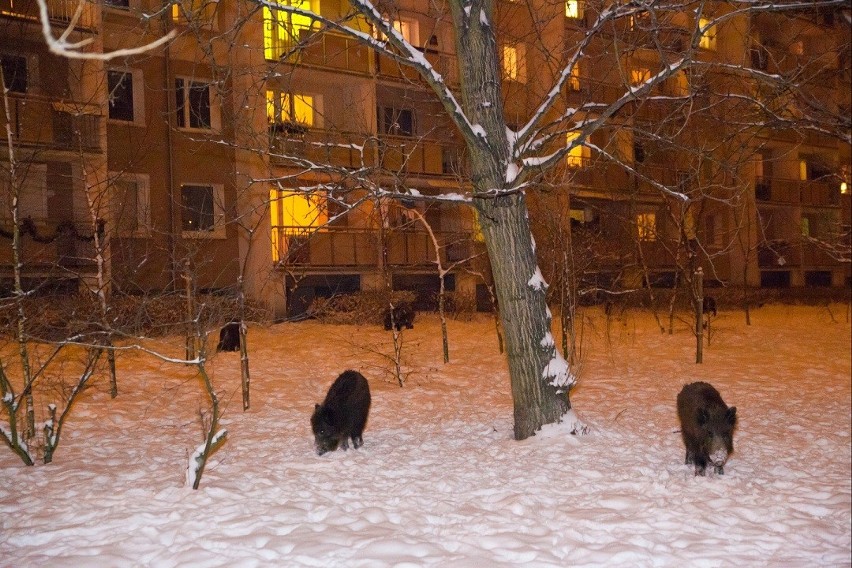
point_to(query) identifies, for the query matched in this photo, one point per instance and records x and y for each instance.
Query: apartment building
(190, 160)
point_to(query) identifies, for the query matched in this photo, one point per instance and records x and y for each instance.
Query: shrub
(365, 307)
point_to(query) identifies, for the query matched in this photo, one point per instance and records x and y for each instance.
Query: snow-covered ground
(439, 480)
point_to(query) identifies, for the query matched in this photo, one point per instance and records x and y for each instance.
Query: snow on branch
(61, 46)
(684, 198)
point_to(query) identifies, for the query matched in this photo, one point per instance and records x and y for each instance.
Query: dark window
(197, 207)
(192, 104)
(818, 278)
(638, 152)
(126, 203)
(118, 3)
(120, 84)
(759, 57)
(14, 72)
(396, 121)
(774, 279)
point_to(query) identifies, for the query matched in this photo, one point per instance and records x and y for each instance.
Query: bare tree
(515, 132)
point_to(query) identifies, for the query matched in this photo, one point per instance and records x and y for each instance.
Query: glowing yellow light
(844, 188)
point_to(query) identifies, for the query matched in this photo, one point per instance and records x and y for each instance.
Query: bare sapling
(214, 438)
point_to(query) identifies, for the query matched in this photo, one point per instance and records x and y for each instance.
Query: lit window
(297, 213)
(708, 34)
(578, 155)
(294, 214)
(197, 12)
(408, 29)
(514, 63)
(844, 187)
(283, 30)
(806, 227)
(574, 79)
(639, 76)
(679, 84)
(574, 9)
(290, 108)
(646, 225)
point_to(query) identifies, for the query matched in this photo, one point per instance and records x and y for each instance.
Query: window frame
(26, 63)
(575, 9)
(280, 34)
(514, 60)
(385, 127)
(217, 228)
(183, 108)
(277, 100)
(143, 205)
(32, 197)
(646, 226)
(709, 39)
(578, 156)
(205, 15)
(137, 93)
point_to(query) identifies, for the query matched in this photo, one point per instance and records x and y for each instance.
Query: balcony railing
(63, 250)
(38, 121)
(444, 63)
(365, 247)
(59, 11)
(815, 193)
(335, 51)
(400, 154)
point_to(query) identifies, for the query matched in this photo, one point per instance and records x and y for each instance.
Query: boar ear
(731, 415)
(702, 417)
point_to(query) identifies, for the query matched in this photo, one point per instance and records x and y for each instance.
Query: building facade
(193, 159)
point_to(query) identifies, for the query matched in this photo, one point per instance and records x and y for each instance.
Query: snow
(536, 281)
(439, 480)
(512, 172)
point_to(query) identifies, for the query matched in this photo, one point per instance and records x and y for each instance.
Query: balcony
(587, 173)
(67, 248)
(335, 51)
(59, 12)
(350, 247)
(399, 154)
(292, 146)
(38, 121)
(444, 63)
(812, 193)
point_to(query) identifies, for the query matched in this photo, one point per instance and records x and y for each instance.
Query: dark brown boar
(343, 413)
(707, 426)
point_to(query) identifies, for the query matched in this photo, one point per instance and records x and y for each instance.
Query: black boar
(229, 337)
(343, 414)
(399, 316)
(708, 305)
(707, 426)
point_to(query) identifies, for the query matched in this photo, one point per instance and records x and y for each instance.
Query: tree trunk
(530, 348)
(539, 374)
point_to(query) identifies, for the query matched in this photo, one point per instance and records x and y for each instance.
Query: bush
(460, 306)
(365, 307)
(56, 317)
